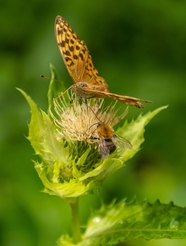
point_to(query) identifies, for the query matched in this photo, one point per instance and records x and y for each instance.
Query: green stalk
(75, 221)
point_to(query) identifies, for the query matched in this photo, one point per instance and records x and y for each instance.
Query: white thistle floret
(78, 121)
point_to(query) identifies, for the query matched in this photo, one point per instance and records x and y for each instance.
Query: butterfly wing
(96, 92)
(76, 56)
(132, 101)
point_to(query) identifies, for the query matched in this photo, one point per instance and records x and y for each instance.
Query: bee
(108, 140)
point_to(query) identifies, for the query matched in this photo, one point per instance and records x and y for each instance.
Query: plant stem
(75, 221)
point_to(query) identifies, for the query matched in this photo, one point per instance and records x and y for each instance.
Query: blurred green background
(139, 47)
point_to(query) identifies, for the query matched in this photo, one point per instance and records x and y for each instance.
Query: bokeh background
(139, 48)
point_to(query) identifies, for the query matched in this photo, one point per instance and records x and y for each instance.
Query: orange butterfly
(88, 84)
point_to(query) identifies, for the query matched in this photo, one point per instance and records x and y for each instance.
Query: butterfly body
(78, 61)
(85, 90)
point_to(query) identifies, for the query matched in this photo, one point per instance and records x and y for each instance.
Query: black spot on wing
(71, 48)
(77, 47)
(67, 53)
(81, 55)
(71, 41)
(62, 44)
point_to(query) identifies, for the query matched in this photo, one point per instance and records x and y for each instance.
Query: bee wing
(121, 142)
(103, 149)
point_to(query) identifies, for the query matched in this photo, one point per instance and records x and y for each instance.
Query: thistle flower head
(86, 121)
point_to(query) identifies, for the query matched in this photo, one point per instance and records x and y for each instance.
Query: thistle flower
(88, 122)
(70, 139)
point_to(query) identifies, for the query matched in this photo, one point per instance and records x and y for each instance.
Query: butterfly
(78, 61)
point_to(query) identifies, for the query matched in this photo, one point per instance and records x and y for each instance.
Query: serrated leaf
(42, 134)
(134, 132)
(128, 221)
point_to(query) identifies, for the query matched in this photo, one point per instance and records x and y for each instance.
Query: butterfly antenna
(45, 77)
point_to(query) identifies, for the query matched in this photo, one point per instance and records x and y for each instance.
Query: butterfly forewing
(76, 55)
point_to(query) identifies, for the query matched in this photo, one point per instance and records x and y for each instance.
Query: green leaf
(56, 87)
(42, 134)
(65, 240)
(128, 221)
(134, 132)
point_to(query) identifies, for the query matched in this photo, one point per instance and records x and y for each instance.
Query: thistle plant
(73, 163)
